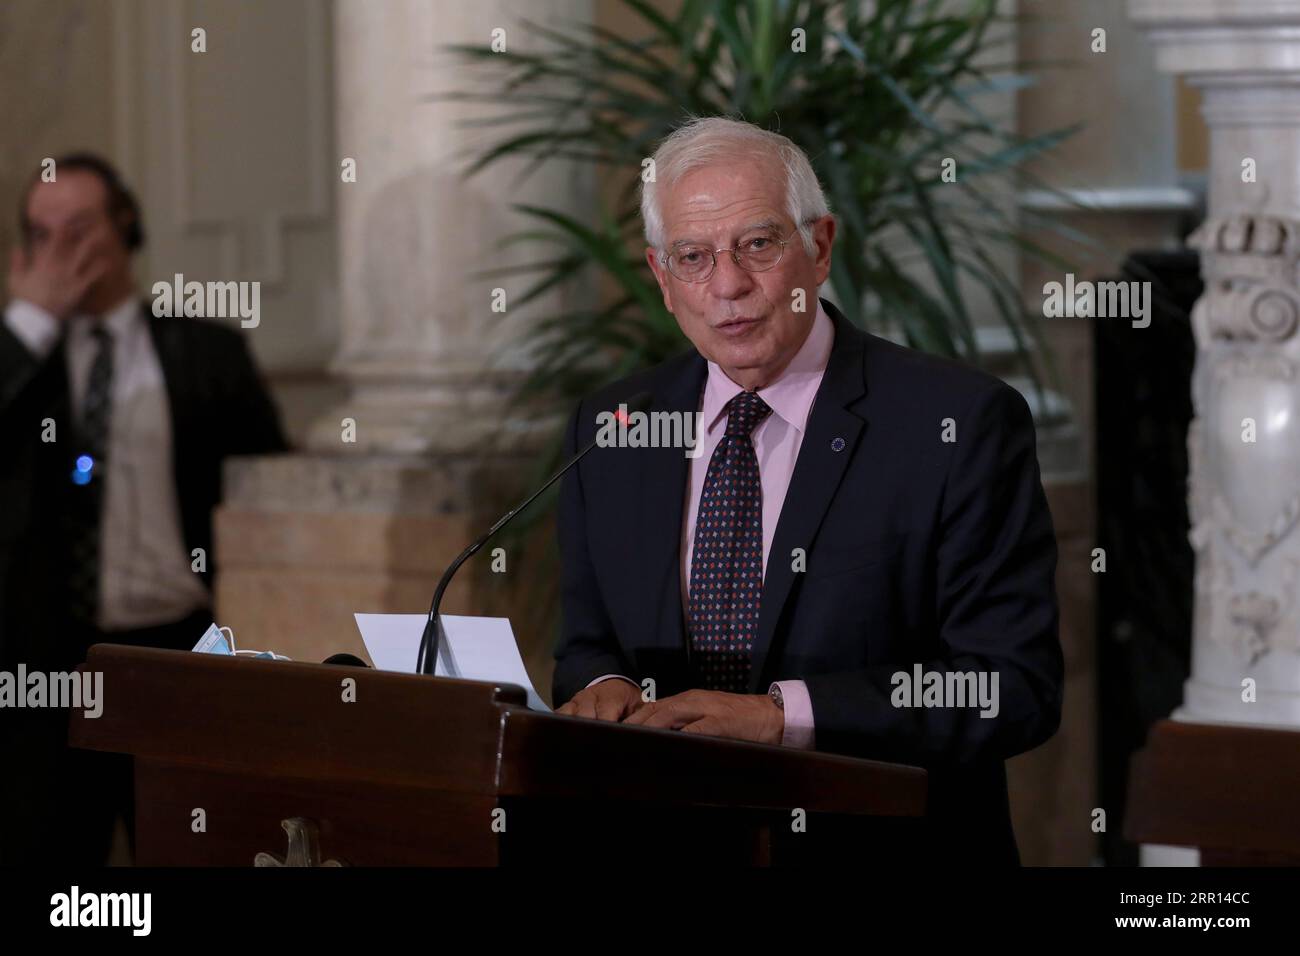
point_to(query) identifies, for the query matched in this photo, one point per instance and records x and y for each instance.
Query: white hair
(714, 140)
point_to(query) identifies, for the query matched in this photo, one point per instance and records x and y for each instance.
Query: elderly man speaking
(860, 558)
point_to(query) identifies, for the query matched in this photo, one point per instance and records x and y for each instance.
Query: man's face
(72, 212)
(744, 321)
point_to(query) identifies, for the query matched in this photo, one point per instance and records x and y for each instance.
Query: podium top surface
(328, 722)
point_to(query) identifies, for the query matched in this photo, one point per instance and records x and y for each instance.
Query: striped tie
(87, 499)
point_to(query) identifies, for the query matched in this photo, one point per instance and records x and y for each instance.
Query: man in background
(114, 424)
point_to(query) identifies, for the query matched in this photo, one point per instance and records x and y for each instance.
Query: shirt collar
(791, 396)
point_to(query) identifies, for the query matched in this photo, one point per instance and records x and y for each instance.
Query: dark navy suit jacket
(219, 407)
(918, 550)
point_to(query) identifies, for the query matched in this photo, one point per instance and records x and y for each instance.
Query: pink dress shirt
(776, 443)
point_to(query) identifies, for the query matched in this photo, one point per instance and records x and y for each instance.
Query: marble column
(405, 471)
(1245, 438)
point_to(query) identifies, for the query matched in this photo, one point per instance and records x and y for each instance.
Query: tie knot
(744, 412)
(101, 333)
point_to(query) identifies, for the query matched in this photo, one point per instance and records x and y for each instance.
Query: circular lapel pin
(837, 444)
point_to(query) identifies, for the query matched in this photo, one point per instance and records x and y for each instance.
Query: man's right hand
(57, 278)
(611, 699)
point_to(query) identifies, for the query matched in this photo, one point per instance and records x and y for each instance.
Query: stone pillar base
(305, 541)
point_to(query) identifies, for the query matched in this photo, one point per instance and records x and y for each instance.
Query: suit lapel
(828, 444)
(662, 492)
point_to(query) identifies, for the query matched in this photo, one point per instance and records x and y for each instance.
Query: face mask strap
(239, 653)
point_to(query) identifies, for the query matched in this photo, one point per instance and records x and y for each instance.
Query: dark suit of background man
(826, 439)
(99, 527)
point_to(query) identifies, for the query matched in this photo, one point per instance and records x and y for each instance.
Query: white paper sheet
(473, 648)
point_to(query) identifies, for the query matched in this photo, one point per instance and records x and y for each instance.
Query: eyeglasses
(756, 252)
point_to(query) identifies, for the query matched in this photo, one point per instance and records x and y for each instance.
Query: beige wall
(47, 111)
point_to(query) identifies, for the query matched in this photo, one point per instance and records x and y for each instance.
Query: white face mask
(214, 641)
(221, 640)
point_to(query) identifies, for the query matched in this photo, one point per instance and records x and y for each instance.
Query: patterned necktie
(87, 498)
(727, 561)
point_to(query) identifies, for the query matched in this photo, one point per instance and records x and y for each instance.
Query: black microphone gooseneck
(430, 640)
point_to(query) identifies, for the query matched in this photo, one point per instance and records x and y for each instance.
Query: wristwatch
(775, 693)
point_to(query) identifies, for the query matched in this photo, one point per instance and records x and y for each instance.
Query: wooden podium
(1230, 790)
(308, 764)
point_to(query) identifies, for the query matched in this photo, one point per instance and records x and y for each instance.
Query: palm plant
(880, 94)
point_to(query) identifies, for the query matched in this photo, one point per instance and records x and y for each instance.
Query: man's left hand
(753, 717)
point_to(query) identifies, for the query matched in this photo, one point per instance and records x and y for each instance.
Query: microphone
(431, 638)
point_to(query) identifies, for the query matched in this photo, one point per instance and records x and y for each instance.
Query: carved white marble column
(1245, 438)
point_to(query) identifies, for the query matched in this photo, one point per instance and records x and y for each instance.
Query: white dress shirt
(145, 569)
